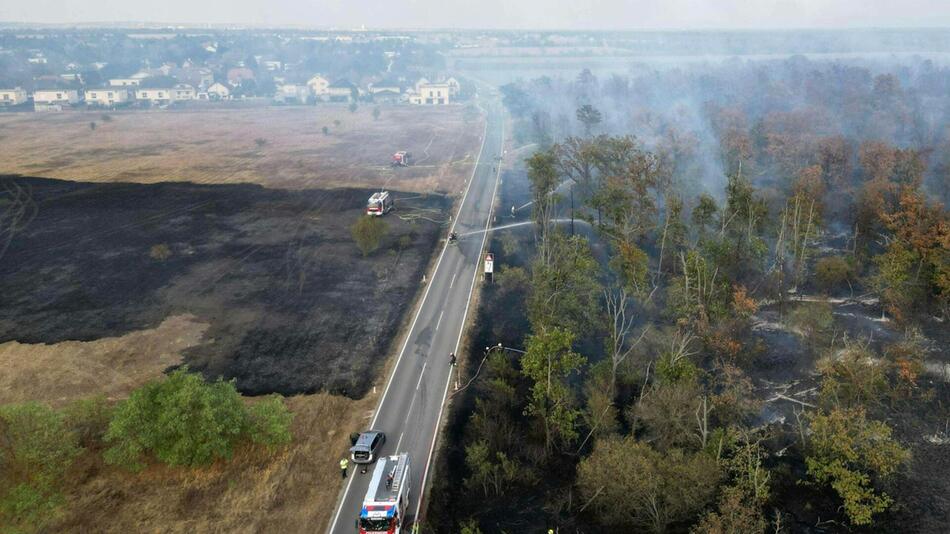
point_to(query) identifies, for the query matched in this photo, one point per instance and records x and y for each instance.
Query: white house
(319, 86)
(12, 97)
(182, 91)
(420, 83)
(341, 91)
(292, 93)
(219, 91)
(385, 86)
(158, 96)
(431, 93)
(109, 96)
(272, 65)
(125, 82)
(56, 96)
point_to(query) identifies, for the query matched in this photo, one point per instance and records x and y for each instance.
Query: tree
(853, 454)
(92, 126)
(544, 179)
(36, 449)
(492, 475)
(564, 290)
(269, 422)
(589, 116)
(353, 107)
(376, 113)
(704, 213)
(325, 130)
(182, 420)
(368, 232)
(631, 486)
(260, 142)
(548, 362)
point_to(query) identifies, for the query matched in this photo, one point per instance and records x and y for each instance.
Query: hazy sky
(580, 14)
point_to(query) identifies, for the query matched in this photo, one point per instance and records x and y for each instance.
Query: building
(154, 95)
(454, 87)
(385, 86)
(12, 97)
(182, 91)
(107, 97)
(219, 91)
(341, 91)
(125, 82)
(56, 96)
(292, 94)
(319, 86)
(272, 65)
(431, 94)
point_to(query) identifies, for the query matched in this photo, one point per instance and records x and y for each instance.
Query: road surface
(411, 406)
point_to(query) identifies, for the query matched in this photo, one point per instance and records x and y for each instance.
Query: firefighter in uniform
(344, 463)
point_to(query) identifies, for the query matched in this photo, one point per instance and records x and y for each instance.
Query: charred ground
(293, 306)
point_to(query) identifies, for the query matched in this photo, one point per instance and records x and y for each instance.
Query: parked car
(367, 446)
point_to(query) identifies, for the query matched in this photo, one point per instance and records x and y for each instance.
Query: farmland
(272, 146)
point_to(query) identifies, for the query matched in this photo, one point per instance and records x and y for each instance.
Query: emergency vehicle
(387, 498)
(379, 204)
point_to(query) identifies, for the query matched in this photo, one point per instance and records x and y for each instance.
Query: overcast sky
(530, 14)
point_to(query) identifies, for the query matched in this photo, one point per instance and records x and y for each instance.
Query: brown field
(214, 146)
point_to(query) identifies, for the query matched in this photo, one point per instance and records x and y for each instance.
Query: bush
(36, 448)
(368, 232)
(89, 419)
(832, 272)
(270, 422)
(184, 420)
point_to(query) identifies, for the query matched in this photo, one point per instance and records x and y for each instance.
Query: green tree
(853, 455)
(368, 232)
(629, 485)
(376, 113)
(269, 422)
(589, 116)
(182, 420)
(564, 290)
(493, 475)
(353, 107)
(548, 362)
(833, 271)
(36, 449)
(544, 179)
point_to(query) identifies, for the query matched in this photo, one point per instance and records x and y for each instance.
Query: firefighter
(452, 359)
(344, 463)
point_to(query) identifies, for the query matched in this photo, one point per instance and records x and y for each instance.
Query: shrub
(36, 448)
(833, 271)
(182, 420)
(89, 419)
(270, 422)
(368, 232)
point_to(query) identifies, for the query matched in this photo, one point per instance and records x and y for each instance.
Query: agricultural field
(280, 147)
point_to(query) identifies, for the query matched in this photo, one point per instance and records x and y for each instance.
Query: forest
(743, 329)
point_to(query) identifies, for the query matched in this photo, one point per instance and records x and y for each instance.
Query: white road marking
(398, 443)
(421, 373)
(452, 283)
(439, 322)
(382, 400)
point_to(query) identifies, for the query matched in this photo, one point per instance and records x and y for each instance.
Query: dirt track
(292, 305)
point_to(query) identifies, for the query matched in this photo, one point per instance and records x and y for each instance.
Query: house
(182, 91)
(385, 86)
(107, 97)
(219, 91)
(319, 86)
(420, 83)
(154, 95)
(12, 97)
(271, 65)
(125, 82)
(431, 93)
(292, 94)
(238, 75)
(56, 96)
(341, 91)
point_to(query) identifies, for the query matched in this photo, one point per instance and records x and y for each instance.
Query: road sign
(489, 263)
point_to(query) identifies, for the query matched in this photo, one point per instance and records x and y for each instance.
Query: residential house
(454, 87)
(420, 83)
(182, 91)
(319, 86)
(431, 94)
(385, 86)
(154, 95)
(341, 91)
(219, 91)
(12, 97)
(107, 96)
(271, 65)
(292, 94)
(56, 96)
(125, 82)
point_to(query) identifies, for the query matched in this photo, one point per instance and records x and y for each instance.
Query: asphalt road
(411, 406)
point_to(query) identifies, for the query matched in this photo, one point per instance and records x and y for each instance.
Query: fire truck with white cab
(379, 203)
(386, 501)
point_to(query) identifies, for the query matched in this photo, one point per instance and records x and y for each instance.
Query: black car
(367, 446)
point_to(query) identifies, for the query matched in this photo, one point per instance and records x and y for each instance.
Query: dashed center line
(452, 283)
(439, 321)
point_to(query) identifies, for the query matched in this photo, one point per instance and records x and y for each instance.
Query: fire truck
(387, 499)
(379, 204)
(401, 159)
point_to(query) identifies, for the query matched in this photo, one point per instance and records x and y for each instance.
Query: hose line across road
(410, 409)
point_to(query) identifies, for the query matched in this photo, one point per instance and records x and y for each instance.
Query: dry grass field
(213, 146)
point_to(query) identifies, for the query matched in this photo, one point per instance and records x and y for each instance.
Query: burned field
(291, 304)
